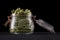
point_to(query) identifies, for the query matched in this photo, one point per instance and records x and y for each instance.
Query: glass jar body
(21, 24)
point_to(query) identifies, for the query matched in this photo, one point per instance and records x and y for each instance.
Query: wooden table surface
(35, 36)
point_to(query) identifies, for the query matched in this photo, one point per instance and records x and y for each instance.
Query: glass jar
(21, 22)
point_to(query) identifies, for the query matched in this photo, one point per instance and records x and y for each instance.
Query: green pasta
(21, 23)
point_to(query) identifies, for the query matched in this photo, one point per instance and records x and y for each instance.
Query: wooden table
(35, 36)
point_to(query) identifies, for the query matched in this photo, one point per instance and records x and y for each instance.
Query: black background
(46, 10)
